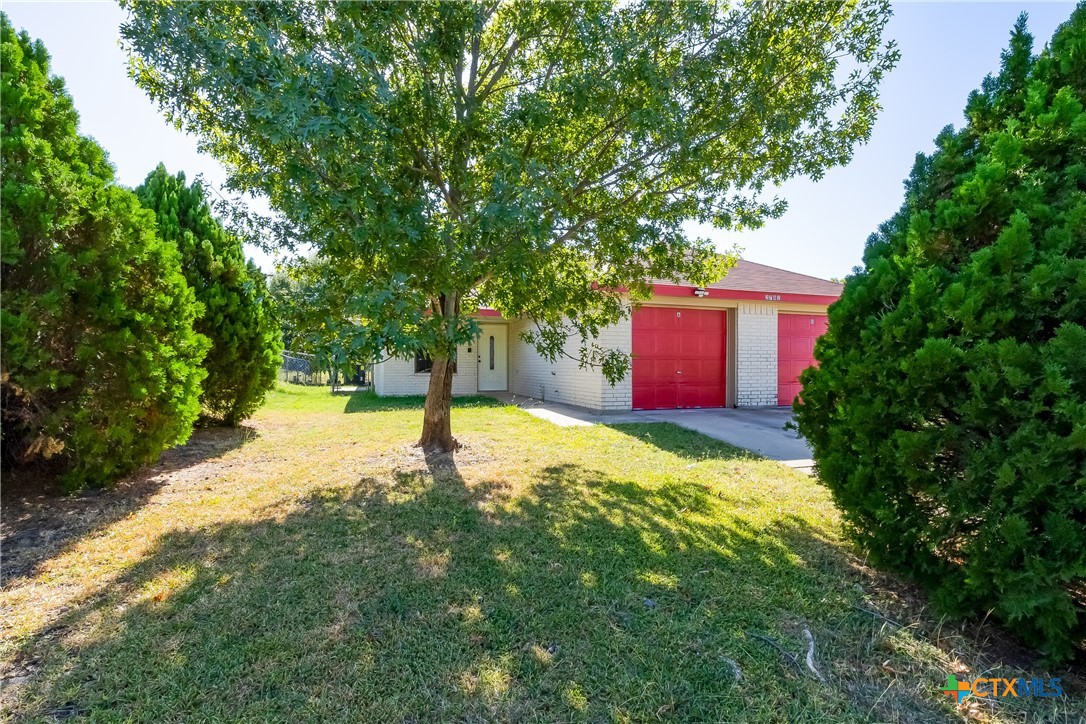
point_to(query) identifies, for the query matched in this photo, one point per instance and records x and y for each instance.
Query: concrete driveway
(760, 430)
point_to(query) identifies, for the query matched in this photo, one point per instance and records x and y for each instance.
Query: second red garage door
(678, 358)
(796, 335)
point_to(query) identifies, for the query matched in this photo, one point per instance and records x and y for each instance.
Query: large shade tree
(543, 157)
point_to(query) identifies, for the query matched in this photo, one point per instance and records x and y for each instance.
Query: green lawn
(318, 567)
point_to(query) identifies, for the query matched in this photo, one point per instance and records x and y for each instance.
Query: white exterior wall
(756, 355)
(397, 378)
(620, 397)
(755, 376)
(563, 380)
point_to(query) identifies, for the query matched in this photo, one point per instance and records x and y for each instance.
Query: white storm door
(493, 372)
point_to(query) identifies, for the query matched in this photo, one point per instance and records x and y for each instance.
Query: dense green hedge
(101, 365)
(948, 414)
(246, 341)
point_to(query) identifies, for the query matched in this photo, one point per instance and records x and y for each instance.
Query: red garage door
(678, 358)
(796, 335)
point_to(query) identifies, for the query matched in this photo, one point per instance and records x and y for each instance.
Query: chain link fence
(300, 368)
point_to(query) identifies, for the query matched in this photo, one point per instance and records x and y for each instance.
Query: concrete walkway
(760, 430)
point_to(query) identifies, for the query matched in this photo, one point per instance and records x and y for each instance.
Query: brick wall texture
(397, 377)
(756, 355)
(564, 381)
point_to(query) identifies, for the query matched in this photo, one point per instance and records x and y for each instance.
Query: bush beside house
(238, 315)
(948, 413)
(101, 364)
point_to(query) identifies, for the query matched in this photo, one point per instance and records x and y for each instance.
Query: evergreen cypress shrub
(100, 361)
(948, 411)
(239, 319)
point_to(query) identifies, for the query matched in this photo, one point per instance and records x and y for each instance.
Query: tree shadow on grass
(684, 443)
(40, 521)
(368, 401)
(425, 598)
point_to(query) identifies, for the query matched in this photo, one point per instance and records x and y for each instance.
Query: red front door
(796, 335)
(678, 358)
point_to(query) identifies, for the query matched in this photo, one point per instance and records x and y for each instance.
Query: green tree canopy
(310, 299)
(948, 411)
(295, 304)
(238, 316)
(542, 157)
(101, 365)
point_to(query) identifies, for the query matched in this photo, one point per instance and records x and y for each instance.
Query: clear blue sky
(946, 49)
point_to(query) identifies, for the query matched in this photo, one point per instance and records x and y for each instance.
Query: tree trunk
(437, 417)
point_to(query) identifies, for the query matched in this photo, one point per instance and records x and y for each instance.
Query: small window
(423, 363)
(492, 351)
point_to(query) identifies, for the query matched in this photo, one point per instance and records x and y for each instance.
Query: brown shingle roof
(748, 276)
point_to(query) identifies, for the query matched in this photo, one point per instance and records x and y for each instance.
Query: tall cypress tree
(948, 411)
(238, 315)
(100, 364)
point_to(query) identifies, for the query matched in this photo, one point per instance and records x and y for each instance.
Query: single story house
(741, 342)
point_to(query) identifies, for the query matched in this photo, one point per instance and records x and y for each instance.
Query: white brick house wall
(756, 355)
(563, 380)
(397, 377)
(620, 396)
(754, 379)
